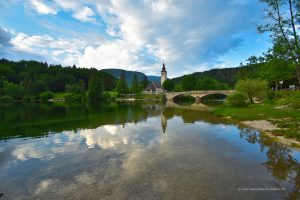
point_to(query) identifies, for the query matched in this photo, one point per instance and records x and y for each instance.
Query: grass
(283, 112)
(59, 95)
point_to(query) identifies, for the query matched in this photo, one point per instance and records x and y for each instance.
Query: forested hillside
(18, 79)
(227, 75)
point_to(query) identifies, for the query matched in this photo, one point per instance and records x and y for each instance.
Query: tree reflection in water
(280, 161)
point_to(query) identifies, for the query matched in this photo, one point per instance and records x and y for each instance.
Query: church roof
(153, 86)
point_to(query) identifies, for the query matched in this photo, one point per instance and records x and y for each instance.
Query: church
(156, 88)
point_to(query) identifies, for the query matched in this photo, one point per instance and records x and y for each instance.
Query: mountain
(153, 79)
(128, 74)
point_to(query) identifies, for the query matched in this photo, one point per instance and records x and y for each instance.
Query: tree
(13, 90)
(122, 87)
(283, 17)
(188, 83)
(252, 60)
(95, 92)
(82, 89)
(145, 82)
(252, 88)
(135, 85)
(168, 85)
(208, 83)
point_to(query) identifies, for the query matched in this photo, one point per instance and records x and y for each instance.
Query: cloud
(189, 35)
(5, 37)
(65, 51)
(85, 15)
(42, 8)
(183, 33)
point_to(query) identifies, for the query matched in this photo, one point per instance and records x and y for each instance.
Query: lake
(138, 151)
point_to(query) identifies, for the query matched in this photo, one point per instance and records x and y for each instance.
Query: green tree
(208, 83)
(145, 82)
(95, 92)
(122, 87)
(39, 87)
(188, 83)
(168, 85)
(282, 20)
(13, 90)
(135, 89)
(73, 88)
(82, 90)
(253, 88)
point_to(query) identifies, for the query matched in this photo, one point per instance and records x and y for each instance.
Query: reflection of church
(164, 122)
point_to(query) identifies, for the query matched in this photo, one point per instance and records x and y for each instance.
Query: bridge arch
(198, 95)
(184, 99)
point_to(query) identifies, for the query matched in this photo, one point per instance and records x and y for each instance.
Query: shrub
(253, 88)
(237, 100)
(6, 98)
(45, 96)
(72, 97)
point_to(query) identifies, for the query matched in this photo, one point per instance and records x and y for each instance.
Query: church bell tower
(163, 76)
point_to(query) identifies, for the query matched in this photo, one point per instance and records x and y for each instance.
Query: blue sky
(189, 35)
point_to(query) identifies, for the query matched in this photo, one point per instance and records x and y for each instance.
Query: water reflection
(137, 151)
(280, 160)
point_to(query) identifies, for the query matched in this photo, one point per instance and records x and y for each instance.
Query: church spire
(164, 67)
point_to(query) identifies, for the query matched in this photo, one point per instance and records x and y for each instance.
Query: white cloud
(64, 51)
(42, 8)
(139, 35)
(183, 33)
(85, 15)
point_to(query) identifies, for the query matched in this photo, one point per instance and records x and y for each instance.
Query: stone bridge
(197, 94)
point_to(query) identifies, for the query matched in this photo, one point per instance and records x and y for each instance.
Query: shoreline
(266, 128)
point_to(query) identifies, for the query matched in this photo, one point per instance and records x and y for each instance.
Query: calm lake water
(138, 151)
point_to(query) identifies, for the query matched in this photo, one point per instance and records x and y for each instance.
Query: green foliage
(168, 85)
(188, 83)
(39, 87)
(6, 98)
(122, 87)
(276, 70)
(226, 76)
(72, 97)
(45, 96)
(208, 83)
(283, 112)
(74, 88)
(95, 92)
(253, 88)
(145, 82)
(37, 77)
(135, 88)
(82, 90)
(283, 31)
(13, 90)
(237, 100)
(177, 88)
(110, 95)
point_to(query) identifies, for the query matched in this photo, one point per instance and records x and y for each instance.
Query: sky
(189, 36)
